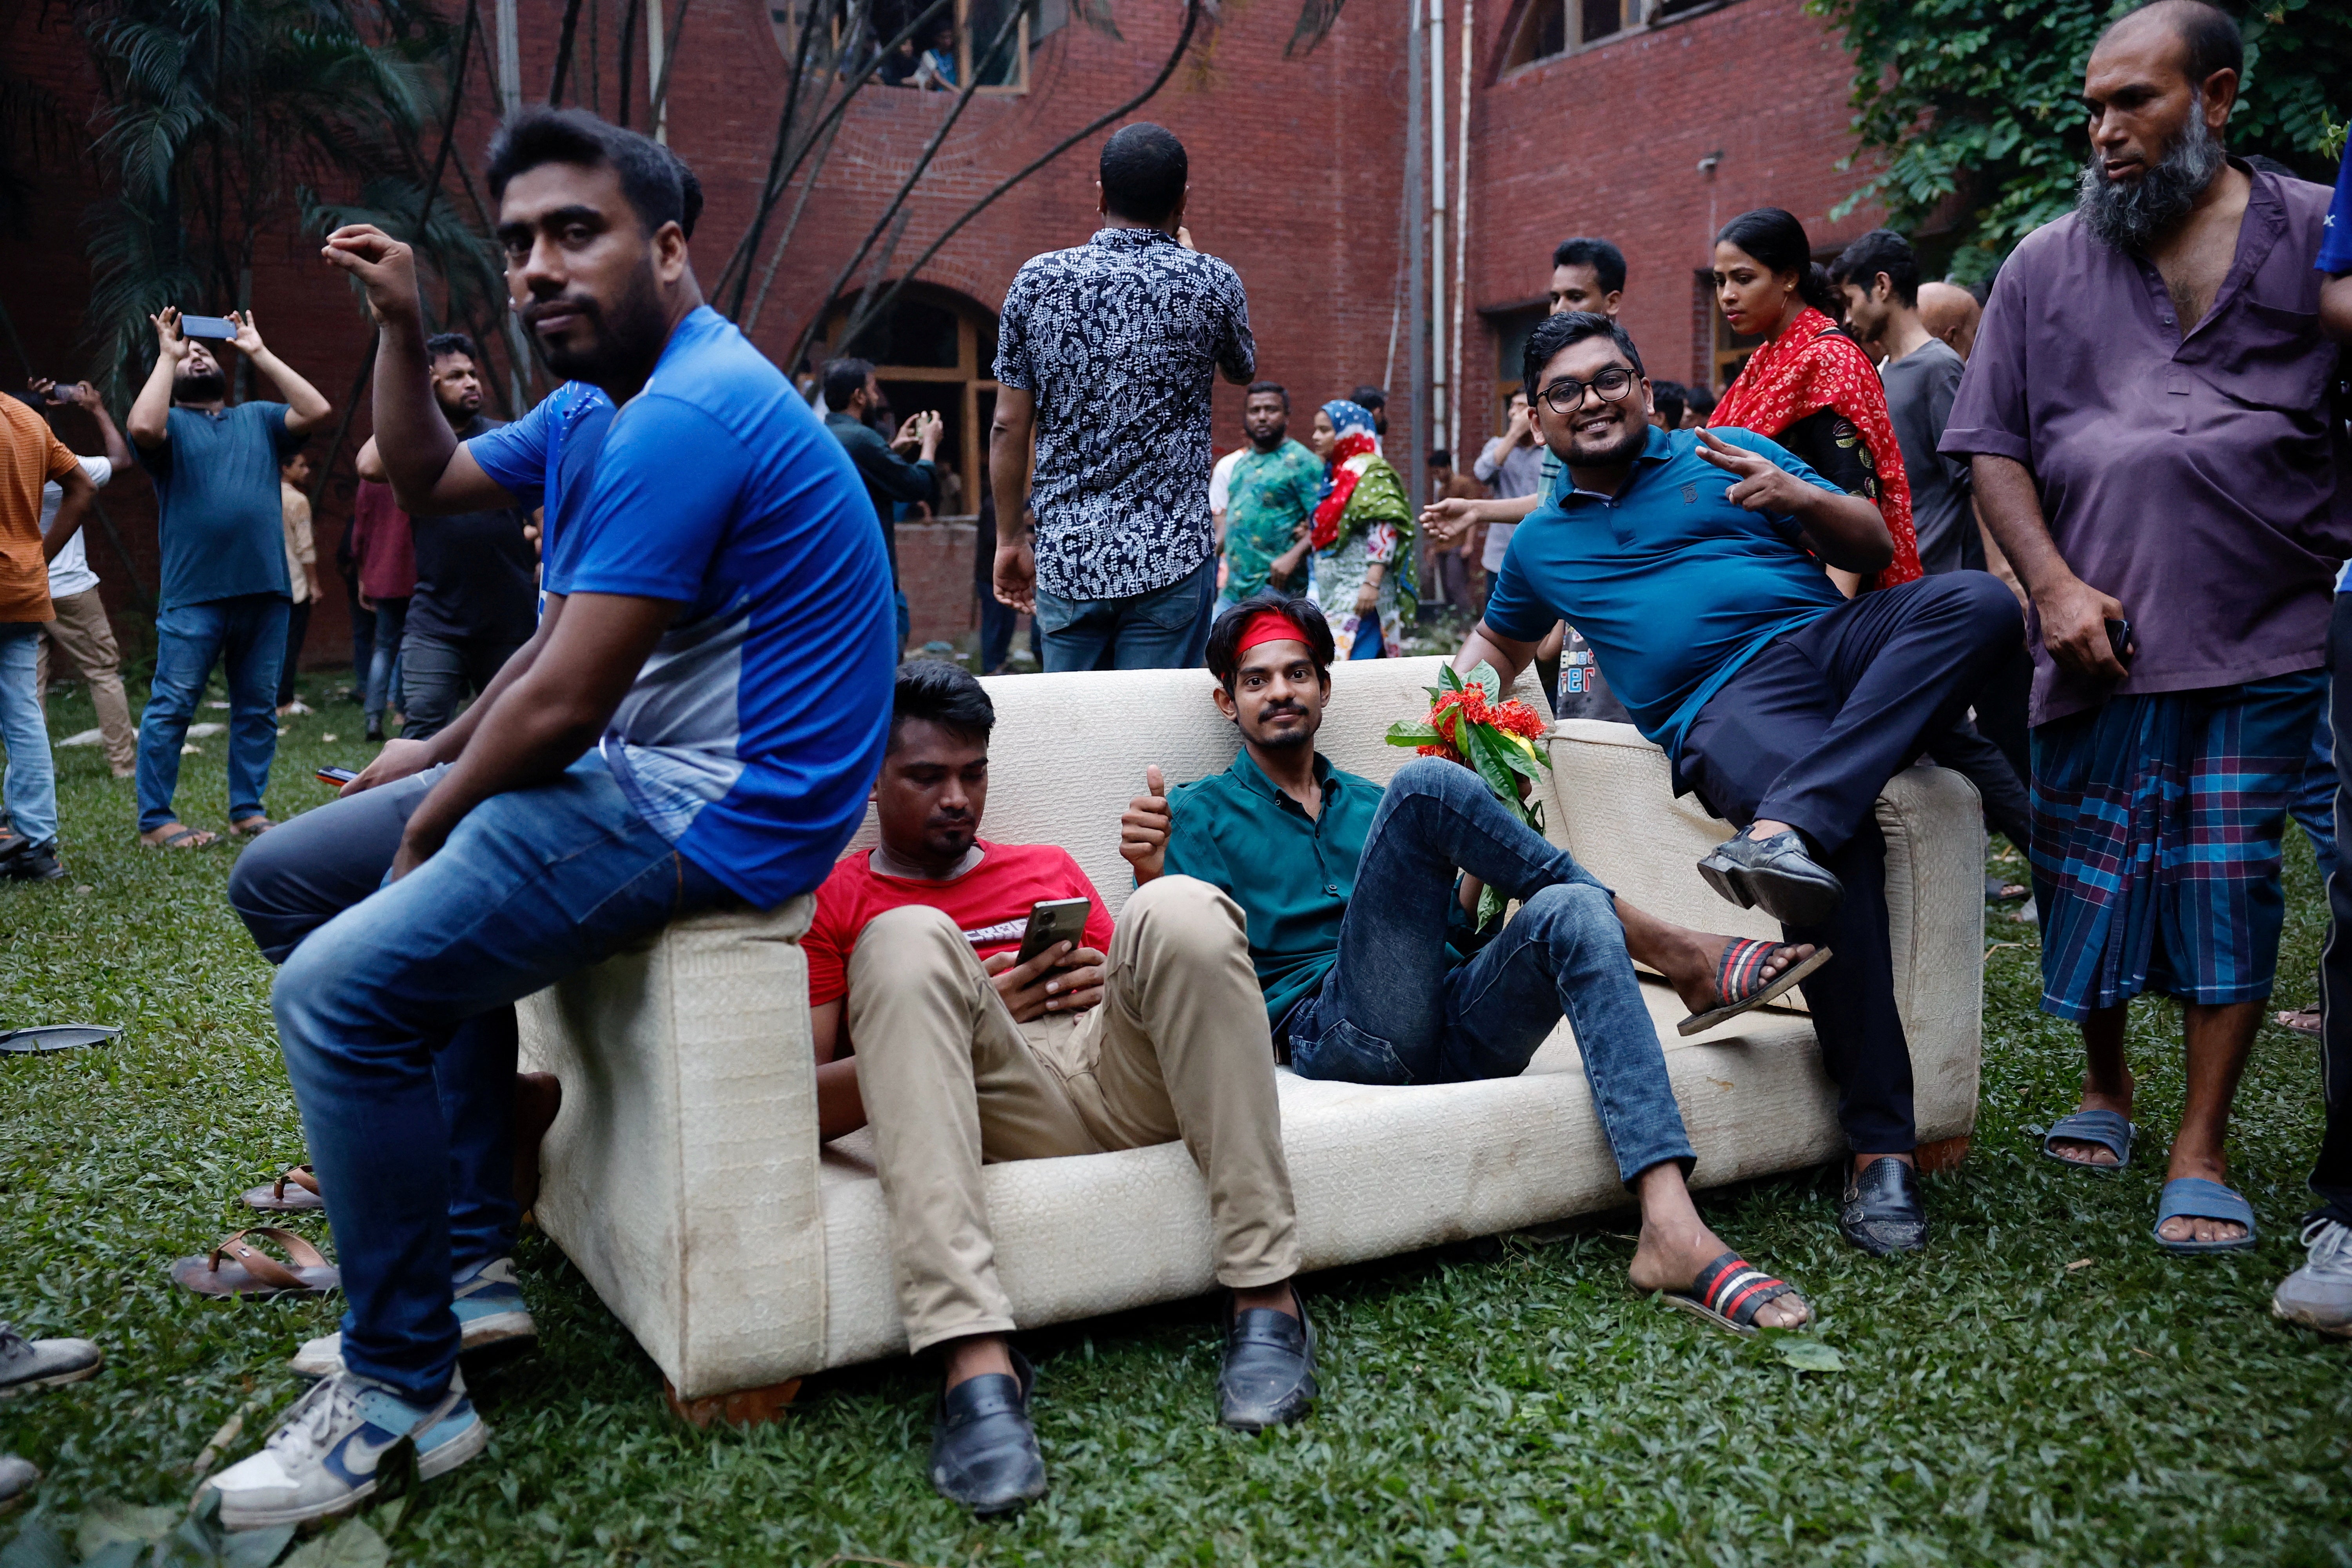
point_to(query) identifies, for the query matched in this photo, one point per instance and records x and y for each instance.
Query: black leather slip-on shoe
(983, 1450)
(1778, 874)
(1268, 1378)
(1882, 1210)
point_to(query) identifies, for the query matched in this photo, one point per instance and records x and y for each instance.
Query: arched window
(933, 350)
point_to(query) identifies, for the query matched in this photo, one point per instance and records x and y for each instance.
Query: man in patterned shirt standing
(1104, 358)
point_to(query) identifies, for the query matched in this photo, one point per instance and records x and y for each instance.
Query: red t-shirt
(991, 902)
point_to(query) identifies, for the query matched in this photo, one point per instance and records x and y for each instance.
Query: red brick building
(1648, 126)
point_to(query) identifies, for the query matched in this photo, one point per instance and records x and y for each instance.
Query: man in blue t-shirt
(698, 717)
(1692, 561)
(226, 596)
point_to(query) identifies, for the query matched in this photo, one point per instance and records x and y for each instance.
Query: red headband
(1269, 625)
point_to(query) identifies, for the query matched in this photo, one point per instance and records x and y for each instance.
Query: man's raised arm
(1485, 645)
(428, 467)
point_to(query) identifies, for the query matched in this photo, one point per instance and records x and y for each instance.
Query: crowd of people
(1907, 530)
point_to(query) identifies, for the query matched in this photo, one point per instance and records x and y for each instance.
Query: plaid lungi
(2156, 825)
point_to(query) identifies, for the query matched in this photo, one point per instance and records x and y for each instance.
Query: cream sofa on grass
(685, 1178)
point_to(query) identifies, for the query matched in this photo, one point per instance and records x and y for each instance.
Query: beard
(1285, 741)
(1623, 450)
(628, 335)
(203, 386)
(2128, 215)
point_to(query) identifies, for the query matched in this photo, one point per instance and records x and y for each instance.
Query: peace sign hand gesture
(1761, 484)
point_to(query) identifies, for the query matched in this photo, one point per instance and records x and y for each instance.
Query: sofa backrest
(1070, 749)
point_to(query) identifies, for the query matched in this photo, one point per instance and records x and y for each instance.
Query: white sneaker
(490, 1315)
(2319, 1294)
(321, 1458)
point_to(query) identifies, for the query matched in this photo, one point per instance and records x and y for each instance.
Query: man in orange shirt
(30, 457)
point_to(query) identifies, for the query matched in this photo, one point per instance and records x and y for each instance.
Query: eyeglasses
(1566, 395)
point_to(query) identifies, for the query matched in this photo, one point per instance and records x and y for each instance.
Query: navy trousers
(1808, 733)
(2331, 1178)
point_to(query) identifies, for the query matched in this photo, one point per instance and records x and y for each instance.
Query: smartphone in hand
(2119, 638)
(1052, 921)
(337, 777)
(218, 328)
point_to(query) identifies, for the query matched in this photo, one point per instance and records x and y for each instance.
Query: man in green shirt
(1357, 920)
(1270, 502)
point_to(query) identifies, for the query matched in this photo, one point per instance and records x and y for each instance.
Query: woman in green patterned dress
(1363, 537)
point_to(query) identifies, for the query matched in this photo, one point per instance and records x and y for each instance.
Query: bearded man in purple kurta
(2147, 412)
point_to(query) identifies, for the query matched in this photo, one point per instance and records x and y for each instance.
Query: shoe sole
(467, 1445)
(2328, 1331)
(1725, 880)
(55, 1379)
(1791, 901)
(510, 1335)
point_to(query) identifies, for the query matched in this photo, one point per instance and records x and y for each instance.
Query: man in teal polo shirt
(1357, 925)
(225, 592)
(1692, 563)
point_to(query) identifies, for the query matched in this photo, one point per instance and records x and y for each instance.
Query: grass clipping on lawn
(1505, 1401)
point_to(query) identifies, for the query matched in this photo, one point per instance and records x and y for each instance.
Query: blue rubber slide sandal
(2200, 1199)
(2110, 1130)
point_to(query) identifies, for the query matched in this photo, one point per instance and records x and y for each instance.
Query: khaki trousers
(82, 629)
(1178, 1048)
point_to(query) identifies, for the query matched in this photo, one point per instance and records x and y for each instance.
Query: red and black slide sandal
(1728, 1293)
(1740, 981)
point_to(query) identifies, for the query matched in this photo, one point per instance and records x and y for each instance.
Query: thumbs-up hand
(1143, 829)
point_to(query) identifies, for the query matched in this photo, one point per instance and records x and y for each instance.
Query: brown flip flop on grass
(238, 1268)
(277, 1198)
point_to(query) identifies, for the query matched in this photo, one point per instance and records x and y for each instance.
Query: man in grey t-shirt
(1880, 279)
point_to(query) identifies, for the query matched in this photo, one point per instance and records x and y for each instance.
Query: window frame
(1635, 16)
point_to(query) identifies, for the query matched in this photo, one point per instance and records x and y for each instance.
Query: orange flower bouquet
(1469, 722)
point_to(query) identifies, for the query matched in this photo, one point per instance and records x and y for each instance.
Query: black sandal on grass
(1728, 1293)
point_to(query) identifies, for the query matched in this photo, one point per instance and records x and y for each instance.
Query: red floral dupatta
(1812, 366)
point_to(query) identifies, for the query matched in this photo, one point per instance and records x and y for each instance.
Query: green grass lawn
(2042, 1387)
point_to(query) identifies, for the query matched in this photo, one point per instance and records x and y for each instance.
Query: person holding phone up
(226, 592)
(1108, 1037)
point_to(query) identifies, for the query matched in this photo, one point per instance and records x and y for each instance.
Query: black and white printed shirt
(1119, 340)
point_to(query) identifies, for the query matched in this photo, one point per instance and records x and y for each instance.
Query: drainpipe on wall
(1439, 359)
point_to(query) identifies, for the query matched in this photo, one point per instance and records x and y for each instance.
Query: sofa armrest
(1613, 807)
(681, 1177)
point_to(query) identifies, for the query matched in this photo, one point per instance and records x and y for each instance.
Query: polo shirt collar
(1253, 778)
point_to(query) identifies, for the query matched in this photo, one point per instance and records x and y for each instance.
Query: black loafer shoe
(1882, 1211)
(983, 1450)
(1268, 1378)
(1778, 874)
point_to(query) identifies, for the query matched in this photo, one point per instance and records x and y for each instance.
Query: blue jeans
(292, 881)
(30, 791)
(533, 886)
(383, 659)
(1397, 1009)
(248, 635)
(1167, 628)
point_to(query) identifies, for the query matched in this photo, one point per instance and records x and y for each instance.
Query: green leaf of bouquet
(1491, 905)
(1484, 676)
(1448, 679)
(1480, 748)
(1407, 734)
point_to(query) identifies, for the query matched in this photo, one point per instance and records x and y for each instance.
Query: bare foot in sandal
(2113, 1095)
(1678, 1250)
(1694, 962)
(251, 826)
(177, 836)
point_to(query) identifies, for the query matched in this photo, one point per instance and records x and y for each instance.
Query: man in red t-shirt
(1152, 1031)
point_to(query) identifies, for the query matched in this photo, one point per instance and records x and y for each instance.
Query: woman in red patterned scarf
(1809, 386)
